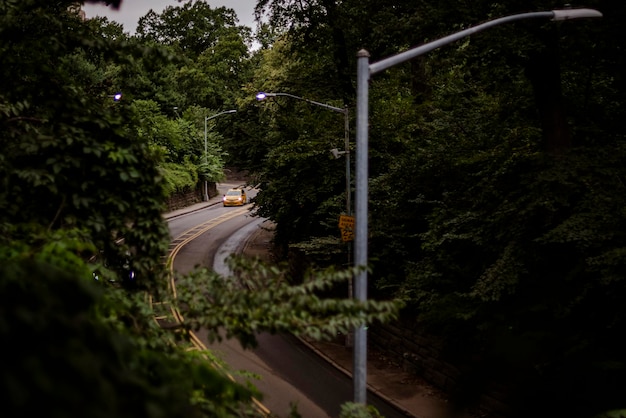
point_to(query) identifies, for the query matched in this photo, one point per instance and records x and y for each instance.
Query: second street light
(364, 72)
(347, 233)
(205, 197)
(336, 153)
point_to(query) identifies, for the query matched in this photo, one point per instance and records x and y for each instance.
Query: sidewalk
(409, 393)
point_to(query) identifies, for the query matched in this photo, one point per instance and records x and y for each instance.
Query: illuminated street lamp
(206, 158)
(336, 153)
(116, 97)
(262, 96)
(364, 71)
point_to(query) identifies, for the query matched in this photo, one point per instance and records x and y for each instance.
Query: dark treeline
(497, 188)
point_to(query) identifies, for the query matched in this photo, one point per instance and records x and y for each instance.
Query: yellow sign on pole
(347, 235)
(346, 221)
(346, 224)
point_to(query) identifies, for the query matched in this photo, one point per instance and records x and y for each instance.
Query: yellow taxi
(235, 197)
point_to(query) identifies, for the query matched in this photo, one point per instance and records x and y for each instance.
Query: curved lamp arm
(262, 96)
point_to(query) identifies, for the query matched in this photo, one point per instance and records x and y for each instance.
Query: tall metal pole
(347, 153)
(364, 71)
(360, 237)
(206, 151)
(349, 340)
(348, 194)
(206, 161)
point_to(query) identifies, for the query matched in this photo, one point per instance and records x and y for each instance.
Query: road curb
(348, 373)
(217, 200)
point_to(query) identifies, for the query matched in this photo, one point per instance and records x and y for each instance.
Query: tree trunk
(543, 70)
(340, 50)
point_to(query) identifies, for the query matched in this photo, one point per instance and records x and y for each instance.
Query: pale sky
(131, 10)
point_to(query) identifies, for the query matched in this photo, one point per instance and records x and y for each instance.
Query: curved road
(289, 371)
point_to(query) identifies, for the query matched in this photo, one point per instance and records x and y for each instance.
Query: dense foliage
(497, 189)
(84, 182)
(496, 182)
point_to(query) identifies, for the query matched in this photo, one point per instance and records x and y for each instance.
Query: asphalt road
(289, 372)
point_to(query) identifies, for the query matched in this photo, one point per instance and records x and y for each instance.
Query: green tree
(302, 187)
(67, 170)
(193, 27)
(214, 47)
(503, 205)
(211, 64)
(82, 191)
(495, 188)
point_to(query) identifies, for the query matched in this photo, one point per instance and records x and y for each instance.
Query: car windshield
(233, 193)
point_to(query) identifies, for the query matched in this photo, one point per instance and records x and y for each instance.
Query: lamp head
(569, 13)
(263, 95)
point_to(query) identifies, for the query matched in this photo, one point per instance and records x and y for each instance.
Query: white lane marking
(231, 245)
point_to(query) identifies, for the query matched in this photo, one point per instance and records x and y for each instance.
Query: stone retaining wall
(418, 353)
(189, 197)
(414, 353)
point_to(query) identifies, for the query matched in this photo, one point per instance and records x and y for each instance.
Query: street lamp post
(364, 71)
(206, 158)
(336, 153)
(346, 152)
